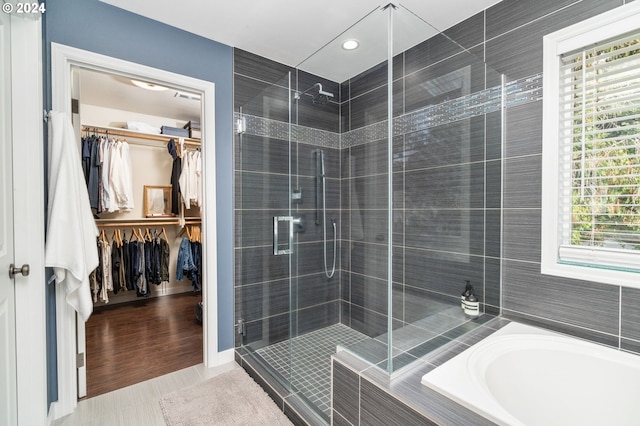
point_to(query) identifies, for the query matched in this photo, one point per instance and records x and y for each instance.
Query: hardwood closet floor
(133, 342)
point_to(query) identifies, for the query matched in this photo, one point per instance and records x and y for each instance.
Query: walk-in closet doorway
(140, 313)
(71, 337)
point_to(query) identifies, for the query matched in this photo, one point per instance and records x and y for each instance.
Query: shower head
(322, 97)
(322, 92)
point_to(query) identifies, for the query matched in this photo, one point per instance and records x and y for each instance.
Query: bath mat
(232, 398)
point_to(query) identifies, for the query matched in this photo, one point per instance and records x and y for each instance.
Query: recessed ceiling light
(350, 44)
(148, 86)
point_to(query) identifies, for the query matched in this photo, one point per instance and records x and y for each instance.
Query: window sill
(592, 273)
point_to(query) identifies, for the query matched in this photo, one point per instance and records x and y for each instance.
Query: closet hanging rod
(139, 135)
(106, 223)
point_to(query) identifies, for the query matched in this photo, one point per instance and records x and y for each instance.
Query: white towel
(70, 248)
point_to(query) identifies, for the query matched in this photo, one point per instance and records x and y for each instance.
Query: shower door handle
(276, 235)
(292, 222)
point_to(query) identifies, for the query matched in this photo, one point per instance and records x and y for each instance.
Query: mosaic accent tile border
(315, 137)
(371, 133)
(462, 108)
(259, 126)
(525, 90)
(517, 92)
(265, 127)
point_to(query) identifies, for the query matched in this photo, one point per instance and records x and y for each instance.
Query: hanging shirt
(196, 274)
(134, 265)
(105, 200)
(107, 281)
(190, 262)
(185, 259)
(120, 182)
(127, 176)
(176, 169)
(195, 184)
(191, 179)
(94, 172)
(95, 277)
(121, 270)
(111, 166)
(198, 177)
(165, 254)
(86, 158)
(141, 283)
(185, 180)
(126, 260)
(115, 267)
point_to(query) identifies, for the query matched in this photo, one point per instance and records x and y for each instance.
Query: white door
(8, 398)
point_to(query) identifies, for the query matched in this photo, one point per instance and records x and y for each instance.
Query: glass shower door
(283, 296)
(264, 222)
(340, 278)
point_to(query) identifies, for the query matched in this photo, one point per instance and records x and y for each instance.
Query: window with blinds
(590, 218)
(600, 153)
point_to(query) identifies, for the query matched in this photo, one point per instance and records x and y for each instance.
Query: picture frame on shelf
(157, 201)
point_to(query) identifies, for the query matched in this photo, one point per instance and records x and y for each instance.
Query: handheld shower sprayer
(321, 203)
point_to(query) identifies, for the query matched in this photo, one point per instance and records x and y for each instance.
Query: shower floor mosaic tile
(309, 371)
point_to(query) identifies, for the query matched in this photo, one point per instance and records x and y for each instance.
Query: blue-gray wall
(97, 27)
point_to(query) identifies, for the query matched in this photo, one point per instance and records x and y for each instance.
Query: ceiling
(118, 92)
(302, 33)
(289, 32)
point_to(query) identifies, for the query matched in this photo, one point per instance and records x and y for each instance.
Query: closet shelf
(115, 131)
(104, 223)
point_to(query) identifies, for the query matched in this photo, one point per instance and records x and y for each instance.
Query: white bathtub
(523, 375)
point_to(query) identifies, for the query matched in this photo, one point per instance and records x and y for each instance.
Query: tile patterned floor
(309, 371)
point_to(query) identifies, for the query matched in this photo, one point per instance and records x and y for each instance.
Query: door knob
(13, 270)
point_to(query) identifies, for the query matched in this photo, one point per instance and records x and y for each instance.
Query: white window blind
(599, 155)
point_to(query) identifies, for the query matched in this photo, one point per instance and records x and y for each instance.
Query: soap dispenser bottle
(471, 305)
(466, 293)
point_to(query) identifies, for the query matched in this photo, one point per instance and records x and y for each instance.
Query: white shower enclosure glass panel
(367, 190)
